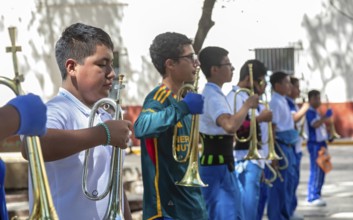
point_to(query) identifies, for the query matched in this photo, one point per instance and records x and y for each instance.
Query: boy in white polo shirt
(218, 124)
(281, 194)
(84, 55)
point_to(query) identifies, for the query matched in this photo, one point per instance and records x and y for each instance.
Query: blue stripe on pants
(317, 176)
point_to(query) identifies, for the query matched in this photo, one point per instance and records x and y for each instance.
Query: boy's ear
(169, 63)
(71, 67)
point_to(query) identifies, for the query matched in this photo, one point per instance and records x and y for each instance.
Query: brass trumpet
(253, 153)
(272, 155)
(43, 207)
(115, 185)
(269, 181)
(332, 130)
(302, 133)
(283, 156)
(192, 176)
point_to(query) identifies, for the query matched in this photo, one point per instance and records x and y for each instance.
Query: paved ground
(337, 191)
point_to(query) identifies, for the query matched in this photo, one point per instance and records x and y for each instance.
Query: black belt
(217, 150)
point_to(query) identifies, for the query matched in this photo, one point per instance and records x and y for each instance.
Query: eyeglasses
(225, 64)
(192, 57)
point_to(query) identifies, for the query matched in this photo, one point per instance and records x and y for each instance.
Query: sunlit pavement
(337, 190)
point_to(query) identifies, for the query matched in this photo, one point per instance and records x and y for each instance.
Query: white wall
(240, 25)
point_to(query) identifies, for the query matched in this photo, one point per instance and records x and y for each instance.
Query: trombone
(43, 207)
(253, 152)
(115, 185)
(192, 176)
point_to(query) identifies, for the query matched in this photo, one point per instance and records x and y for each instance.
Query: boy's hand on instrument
(265, 116)
(33, 114)
(120, 131)
(252, 101)
(328, 113)
(194, 102)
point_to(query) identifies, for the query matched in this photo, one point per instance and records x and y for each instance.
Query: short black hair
(79, 41)
(165, 46)
(294, 80)
(277, 77)
(258, 69)
(211, 56)
(313, 93)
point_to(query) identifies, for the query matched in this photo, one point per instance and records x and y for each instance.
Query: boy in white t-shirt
(84, 55)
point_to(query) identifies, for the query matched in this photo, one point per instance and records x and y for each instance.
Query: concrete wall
(321, 31)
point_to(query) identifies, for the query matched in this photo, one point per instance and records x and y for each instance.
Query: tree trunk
(205, 24)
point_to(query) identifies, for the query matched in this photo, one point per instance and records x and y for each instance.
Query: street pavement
(338, 187)
(337, 190)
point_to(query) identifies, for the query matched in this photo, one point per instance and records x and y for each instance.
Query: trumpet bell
(192, 177)
(253, 155)
(334, 135)
(273, 156)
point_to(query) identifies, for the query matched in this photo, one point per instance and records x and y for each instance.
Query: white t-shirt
(65, 176)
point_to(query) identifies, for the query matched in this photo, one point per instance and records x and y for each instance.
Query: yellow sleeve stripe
(162, 94)
(148, 110)
(166, 96)
(161, 89)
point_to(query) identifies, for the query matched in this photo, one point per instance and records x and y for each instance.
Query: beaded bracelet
(105, 126)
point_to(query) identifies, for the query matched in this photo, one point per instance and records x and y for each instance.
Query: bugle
(115, 184)
(192, 176)
(272, 155)
(43, 207)
(285, 165)
(332, 130)
(253, 152)
(269, 181)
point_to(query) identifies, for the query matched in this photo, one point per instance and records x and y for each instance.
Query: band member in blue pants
(281, 194)
(317, 139)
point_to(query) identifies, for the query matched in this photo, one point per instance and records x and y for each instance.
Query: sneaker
(296, 216)
(317, 202)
